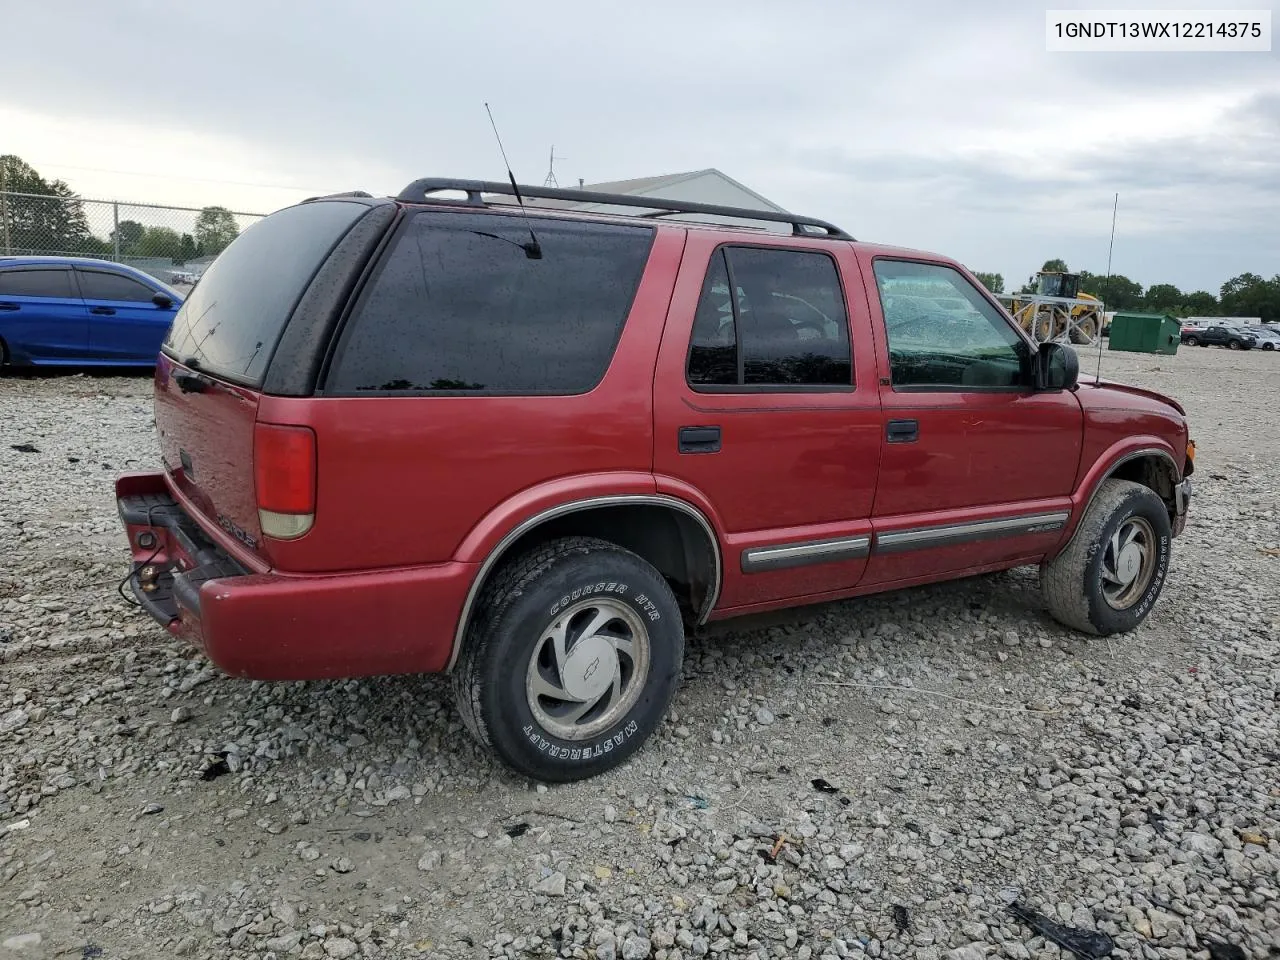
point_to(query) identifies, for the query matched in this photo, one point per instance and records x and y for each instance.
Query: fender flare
(1105, 467)
(517, 518)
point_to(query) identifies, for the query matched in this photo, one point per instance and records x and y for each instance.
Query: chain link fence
(172, 244)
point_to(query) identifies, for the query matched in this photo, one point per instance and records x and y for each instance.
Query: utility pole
(4, 210)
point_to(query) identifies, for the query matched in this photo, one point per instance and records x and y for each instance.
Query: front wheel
(1233, 344)
(1110, 575)
(572, 659)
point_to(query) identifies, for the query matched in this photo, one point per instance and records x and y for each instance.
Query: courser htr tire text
(571, 659)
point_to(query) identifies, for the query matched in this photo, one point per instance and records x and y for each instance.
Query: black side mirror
(162, 300)
(1057, 367)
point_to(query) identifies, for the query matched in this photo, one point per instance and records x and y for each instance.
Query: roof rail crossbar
(420, 191)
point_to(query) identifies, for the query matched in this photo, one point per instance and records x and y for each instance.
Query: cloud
(922, 123)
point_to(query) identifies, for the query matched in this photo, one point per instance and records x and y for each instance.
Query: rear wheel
(572, 659)
(1268, 345)
(1192, 341)
(4, 352)
(1111, 573)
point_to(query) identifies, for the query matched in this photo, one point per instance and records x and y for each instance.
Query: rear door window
(786, 328)
(233, 318)
(458, 306)
(55, 284)
(101, 285)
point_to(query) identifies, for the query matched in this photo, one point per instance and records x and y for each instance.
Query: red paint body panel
(405, 480)
(213, 428)
(321, 627)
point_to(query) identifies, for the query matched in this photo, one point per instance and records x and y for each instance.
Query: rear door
(765, 406)
(42, 317)
(125, 325)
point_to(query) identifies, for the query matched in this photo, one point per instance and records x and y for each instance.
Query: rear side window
(36, 283)
(232, 319)
(785, 328)
(457, 305)
(100, 285)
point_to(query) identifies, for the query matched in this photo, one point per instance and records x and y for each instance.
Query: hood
(1137, 391)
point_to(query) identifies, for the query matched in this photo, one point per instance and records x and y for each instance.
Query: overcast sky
(937, 125)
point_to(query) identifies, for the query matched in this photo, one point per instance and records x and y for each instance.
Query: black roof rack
(335, 196)
(420, 192)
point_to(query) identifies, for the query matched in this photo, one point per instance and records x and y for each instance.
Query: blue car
(75, 310)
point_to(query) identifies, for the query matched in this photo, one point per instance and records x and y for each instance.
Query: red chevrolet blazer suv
(532, 447)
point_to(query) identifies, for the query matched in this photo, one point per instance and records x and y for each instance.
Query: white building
(695, 186)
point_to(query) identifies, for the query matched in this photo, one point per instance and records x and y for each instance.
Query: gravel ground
(966, 750)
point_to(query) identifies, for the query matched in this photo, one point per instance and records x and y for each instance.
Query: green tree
(1055, 266)
(992, 281)
(215, 228)
(1117, 292)
(129, 234)
(160, 242)
(44, 217)
(1163, 298)
(1202, 303)
(186, 249)
(1249, 295)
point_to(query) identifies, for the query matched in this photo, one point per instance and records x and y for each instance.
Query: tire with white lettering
(571, 659)
(1109, 577)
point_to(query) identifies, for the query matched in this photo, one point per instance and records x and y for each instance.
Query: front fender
(1106, 465)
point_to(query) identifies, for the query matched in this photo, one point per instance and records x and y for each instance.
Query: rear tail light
(284, 476)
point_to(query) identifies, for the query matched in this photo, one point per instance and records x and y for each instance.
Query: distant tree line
(39, 216)
(1247, 295)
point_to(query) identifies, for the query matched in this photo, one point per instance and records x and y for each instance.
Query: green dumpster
(1145, 333)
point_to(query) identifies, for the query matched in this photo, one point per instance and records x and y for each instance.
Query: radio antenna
(1107, 286)
(532, 249)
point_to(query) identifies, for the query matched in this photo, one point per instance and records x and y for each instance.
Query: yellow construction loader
(1049, 313)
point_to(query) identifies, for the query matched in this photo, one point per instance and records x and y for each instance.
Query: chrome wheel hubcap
(587, 669)
(1128, 561)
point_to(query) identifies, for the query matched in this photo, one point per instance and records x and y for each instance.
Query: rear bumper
(276, 626)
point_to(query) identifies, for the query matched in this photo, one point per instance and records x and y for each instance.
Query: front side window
(100, 285)
(943, 334)
(458, 305)
(785, 327)
(55, 284)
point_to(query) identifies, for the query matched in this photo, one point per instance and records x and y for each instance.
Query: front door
(978, 467)
(124, 324)
(766, 412)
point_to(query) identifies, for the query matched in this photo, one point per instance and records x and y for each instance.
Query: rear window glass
(458, 305)
(36, 283)
(232, 319)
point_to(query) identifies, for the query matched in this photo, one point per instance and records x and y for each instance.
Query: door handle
(903, 431)
(699, 439)
(103, 311)
(10, 306)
